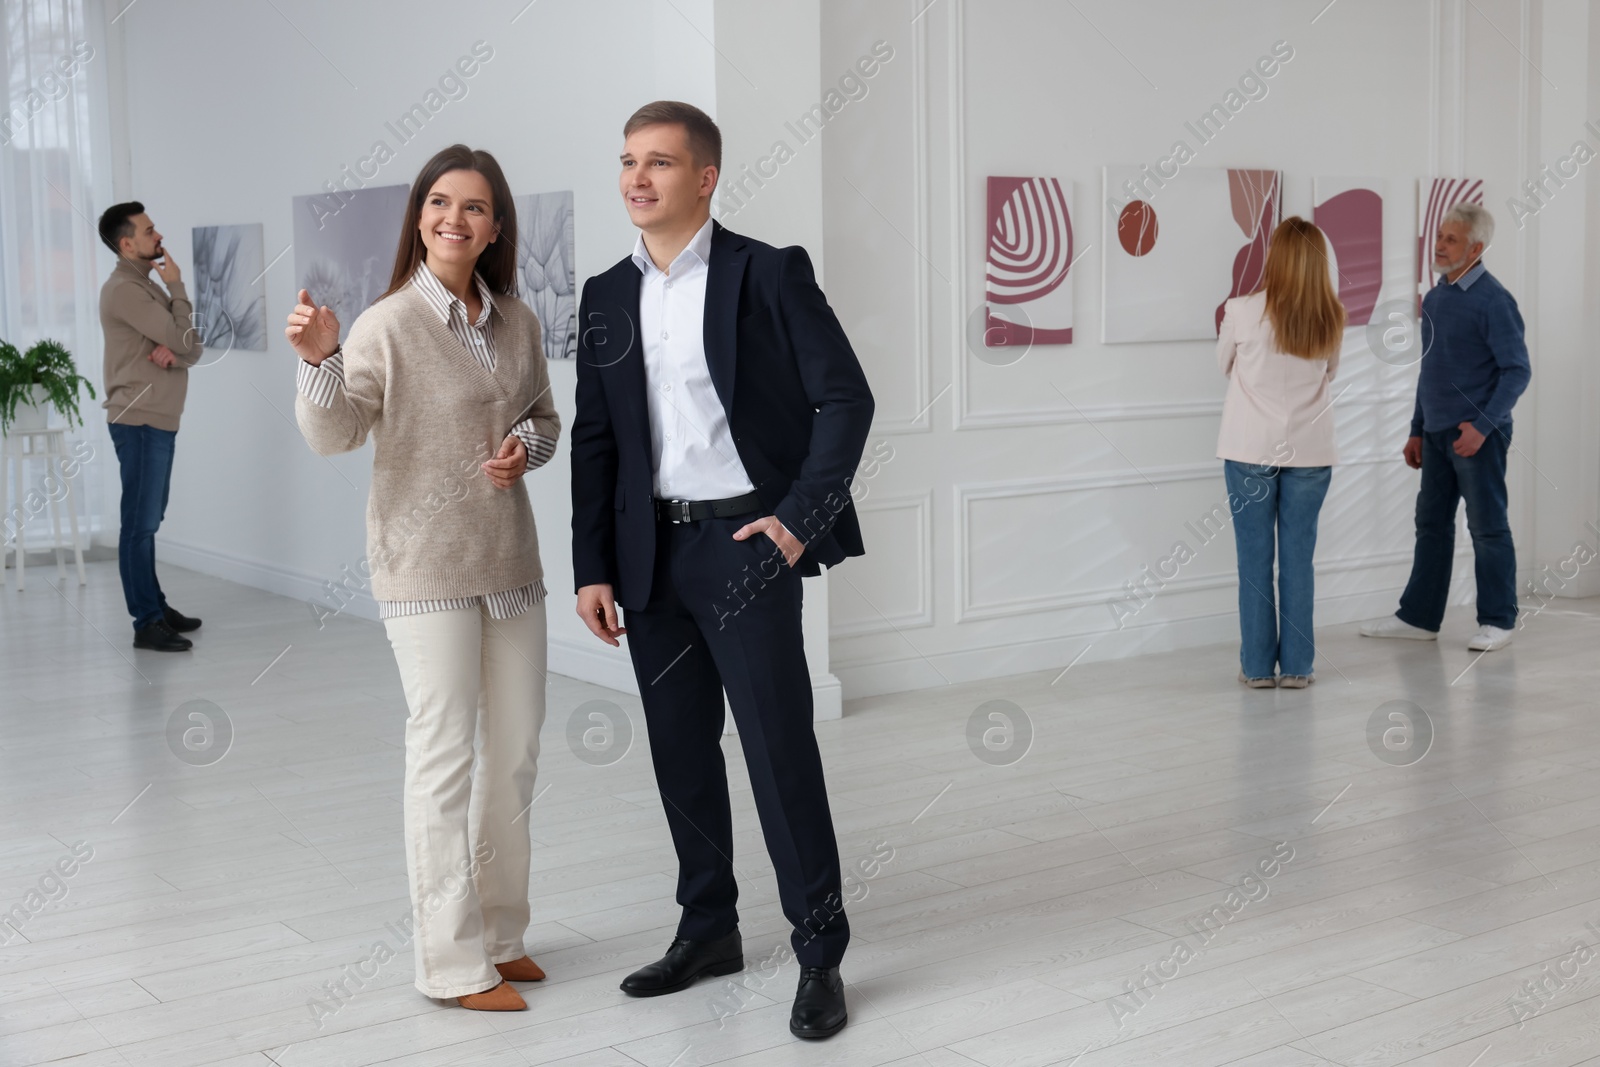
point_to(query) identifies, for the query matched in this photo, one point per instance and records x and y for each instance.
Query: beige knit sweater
(136, 315)
(436, 527)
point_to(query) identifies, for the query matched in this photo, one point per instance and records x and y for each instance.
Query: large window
(53, 183)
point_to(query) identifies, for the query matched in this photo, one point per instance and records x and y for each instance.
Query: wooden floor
(1030, 911)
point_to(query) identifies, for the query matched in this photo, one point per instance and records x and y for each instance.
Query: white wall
(1563, 255)
(227, 120)
(768, 56)
(1019, 499)
(1000, 516)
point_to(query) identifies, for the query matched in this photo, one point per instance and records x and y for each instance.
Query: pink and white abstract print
(1349, 211)
(1029, 260)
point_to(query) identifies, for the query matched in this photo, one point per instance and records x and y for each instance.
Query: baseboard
(259, 574)
(827, 698)
(595, 663)
(1057, 653)
(607, 667)
(603, 666)
(586, 661)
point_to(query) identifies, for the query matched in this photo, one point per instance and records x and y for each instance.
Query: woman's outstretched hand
(313, 332)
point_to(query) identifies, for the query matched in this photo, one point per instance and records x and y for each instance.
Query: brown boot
(501, 998)
(523, 970)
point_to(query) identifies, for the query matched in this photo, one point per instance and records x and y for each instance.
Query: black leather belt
(678, 511)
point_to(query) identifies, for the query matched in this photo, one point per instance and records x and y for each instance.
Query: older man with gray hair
(1474, 367)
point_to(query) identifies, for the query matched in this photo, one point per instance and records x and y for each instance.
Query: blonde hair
(1301, 301)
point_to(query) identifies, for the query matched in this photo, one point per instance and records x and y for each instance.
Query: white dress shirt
(691, 445)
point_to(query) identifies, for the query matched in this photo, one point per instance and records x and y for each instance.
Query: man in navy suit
(721, 415)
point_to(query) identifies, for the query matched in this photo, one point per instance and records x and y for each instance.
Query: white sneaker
(1489, 638)
(1393, 627)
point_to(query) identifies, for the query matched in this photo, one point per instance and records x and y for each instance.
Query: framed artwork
(1028, 260)
(1173, 257)
(1349, 211)
(1434, 198)
(230, 289)
(546, 269)
(344, 253)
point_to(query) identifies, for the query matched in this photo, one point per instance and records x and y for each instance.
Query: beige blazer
(1278, 408)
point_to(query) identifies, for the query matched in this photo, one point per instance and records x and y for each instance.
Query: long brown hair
(1301, 301)
(498, 262)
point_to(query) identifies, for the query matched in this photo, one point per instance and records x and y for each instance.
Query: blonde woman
(1279, 347)
(446, 373)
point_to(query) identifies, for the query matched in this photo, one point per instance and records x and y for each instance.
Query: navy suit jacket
(796, 399)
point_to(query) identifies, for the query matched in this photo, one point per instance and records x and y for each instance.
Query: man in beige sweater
(150, 346)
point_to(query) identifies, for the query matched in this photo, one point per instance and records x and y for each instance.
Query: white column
(768, 73)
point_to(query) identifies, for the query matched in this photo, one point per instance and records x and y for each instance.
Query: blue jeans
(145, 456)
(1279, 503)
(1480, 480)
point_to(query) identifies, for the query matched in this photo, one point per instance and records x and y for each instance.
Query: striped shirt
(320, 384)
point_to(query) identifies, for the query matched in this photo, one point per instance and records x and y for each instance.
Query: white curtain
(54, 181)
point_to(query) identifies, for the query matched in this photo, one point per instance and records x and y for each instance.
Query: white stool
(50, 446)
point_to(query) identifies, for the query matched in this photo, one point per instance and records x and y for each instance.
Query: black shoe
(818, 1004)
(158, 637)
(684, 962)
(178, 621)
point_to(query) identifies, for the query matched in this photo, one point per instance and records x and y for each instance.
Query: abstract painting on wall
(1029, 257)
(344, 256)
(1434, 198)
(230, 293)
(1172, 259)
(547, 269)
(1350, 212)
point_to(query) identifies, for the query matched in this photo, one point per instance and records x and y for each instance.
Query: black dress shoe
(178, 621)
(684, 962)
(158, 637)
(818, 1004)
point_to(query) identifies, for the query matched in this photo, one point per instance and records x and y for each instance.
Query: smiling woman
(444, 368)
(459, 218)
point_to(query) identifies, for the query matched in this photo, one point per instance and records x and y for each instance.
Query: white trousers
(469, 676)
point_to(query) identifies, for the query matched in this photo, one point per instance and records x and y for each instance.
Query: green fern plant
(47, 364)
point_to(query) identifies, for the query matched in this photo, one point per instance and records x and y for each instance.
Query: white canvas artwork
(230, 292)
(1172, 255)
(546, 269)
(344, 257)
(1349, 211)
(1028, 260)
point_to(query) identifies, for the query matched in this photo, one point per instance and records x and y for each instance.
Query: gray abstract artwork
(546, 270)
(230, 294)
(344, 248)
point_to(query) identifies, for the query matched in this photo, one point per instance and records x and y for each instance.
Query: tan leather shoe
(523, 970)
(501, 998)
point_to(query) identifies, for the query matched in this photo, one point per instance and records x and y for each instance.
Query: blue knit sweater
(1474, 364)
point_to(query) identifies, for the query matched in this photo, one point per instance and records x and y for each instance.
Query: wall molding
(921, 310)
(967, 610)
(978, 662)
(1091, 414)
(923, 616)
(965, 495)
(956, 94)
